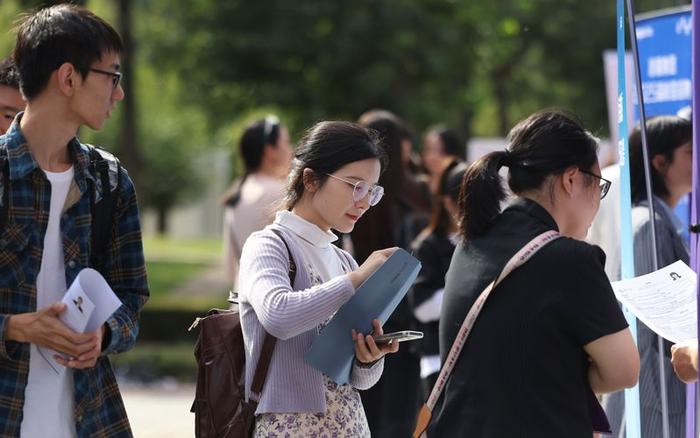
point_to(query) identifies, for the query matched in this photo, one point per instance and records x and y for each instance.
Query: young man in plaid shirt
(55, 382)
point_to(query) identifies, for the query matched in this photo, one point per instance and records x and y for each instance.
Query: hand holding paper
(89, 302)
(684, 357)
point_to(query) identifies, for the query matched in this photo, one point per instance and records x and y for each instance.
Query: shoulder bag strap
(269, 342)
(517, 260)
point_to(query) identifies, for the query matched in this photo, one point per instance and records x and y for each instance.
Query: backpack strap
(104, 166)
(268, 346)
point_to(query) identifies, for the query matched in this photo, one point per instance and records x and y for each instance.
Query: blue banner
(632, 414)
(664, 40)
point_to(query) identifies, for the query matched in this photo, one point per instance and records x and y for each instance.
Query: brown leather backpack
(220, 407)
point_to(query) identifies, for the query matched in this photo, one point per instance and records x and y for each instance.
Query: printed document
(664, 300)
(90, 301)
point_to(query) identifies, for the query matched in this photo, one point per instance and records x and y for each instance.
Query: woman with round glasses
(669, 139)
(551, 332)
(333, 183)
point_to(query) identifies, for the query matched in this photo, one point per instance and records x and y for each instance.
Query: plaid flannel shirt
(99, 410)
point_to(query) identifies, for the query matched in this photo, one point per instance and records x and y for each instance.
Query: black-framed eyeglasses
(604, 183)
(116, 76)
(360, 189)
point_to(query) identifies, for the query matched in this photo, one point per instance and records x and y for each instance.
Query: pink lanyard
(517, 260)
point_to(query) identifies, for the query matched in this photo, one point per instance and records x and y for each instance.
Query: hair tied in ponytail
(506, 159)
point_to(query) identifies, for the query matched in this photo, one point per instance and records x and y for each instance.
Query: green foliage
(164, 276)
(205, 68)
(320, 60)
(9, 10)
(152, 361)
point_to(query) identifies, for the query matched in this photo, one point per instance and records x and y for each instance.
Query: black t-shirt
(523, 370)
(434, 251)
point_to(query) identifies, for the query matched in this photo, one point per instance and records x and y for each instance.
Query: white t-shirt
(48, 397)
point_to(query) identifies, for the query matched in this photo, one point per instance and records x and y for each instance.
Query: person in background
(440, 143)
(669, 139)
(434, 248)
(251, 201)
(333, 184)
(11, 100)
(396, 221)
(551, 332)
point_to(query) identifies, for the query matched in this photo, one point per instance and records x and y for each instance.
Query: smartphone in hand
(405, 335)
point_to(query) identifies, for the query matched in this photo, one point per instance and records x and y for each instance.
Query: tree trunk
(162, 221)
(130, 153)
(501, 106)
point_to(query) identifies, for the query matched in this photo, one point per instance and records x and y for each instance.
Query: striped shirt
(292, 313)
(99, 410)
(670, 248)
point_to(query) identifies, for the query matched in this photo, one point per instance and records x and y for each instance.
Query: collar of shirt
(305, 229)
(666, 212)
(532, 208)
(22, 161)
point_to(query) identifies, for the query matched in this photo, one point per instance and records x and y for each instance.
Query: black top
(523, 370)
(434, 250)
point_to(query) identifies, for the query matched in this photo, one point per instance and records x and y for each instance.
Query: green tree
(321, 59)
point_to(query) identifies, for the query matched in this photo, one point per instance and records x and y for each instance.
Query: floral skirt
(344, 417)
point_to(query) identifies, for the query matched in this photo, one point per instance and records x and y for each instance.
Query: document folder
(333, 350)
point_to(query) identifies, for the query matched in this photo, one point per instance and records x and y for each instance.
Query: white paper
(99, 302)
(79, 308)
(664, 300)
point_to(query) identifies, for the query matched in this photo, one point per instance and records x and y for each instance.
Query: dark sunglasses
(116, 76)
(604, 183)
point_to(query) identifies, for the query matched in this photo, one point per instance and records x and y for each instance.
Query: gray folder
(333, 350)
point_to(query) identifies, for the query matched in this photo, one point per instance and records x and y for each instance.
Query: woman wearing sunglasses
(669, 139)
(333, 183)
(551, 331)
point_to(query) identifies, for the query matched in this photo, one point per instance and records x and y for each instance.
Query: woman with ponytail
(551, 330)
(251, 201)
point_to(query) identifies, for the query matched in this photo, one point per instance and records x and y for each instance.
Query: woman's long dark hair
(451, 144)
(251, 148)
(327, 147)
(378, 227)
(665, 134)
(546, 143)
(449, 185)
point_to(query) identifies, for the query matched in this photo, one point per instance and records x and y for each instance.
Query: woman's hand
(368, 351)
(684, 357)
(373, 262)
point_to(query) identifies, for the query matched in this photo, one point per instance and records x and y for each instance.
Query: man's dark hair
(8, 74)
(56, 35)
